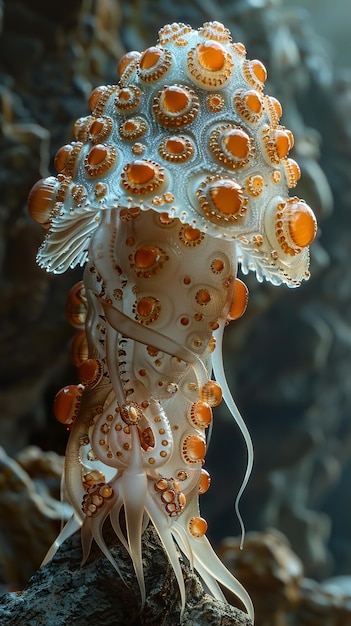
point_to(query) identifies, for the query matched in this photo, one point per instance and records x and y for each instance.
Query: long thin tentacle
(218, 369)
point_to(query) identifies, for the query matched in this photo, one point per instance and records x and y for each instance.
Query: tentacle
(114, 517)
(206, 559)
(67, 531)
(210, 582)
(86, 538)
(162, 526)
(183, 542)
(134, 487)
(217, 363)
(92, 529)
(127, 326)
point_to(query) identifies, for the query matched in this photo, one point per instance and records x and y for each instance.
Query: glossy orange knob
(126, 60)
(302, 224)
(175, 99)
(145, 306)
(67, 402)
(259, 70)
(61, 157)
(95, 96)
(226, 196)
(205, 481)
(198, 526)
(90, 372)
(194, 448)
(97, 154)
(282, 143)
(175, 145)
(253, 101)
(146, 256)
(41, 200)
(140, 172)
(239, 301)
(150, 58)
(237, 142)
(201, 414)
(211, 55)
(203, 296)
(212, 393)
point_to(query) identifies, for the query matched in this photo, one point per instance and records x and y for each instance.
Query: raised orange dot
(254, 185)
(253, 101)
(150, 57)
(194, 448)
(282, 143)
(61, 157)
(96, 127)
(97, 154)
(145, 306)
(302, 224)
(127, 60)
(203, 296)
(211, 55)
(201, 414)
(90, 372)
(175, 145)
(125, 94)
(140, 172)
(237, 142)
(191, 234)
(175, 99)
(205, 481)
(161, 485)
(66, 403)
(197, 526)
(277, 107)
(95, 95)
(217, 266)
(41, 200)
(212, 393)
(168, 496)
(226, 196)
(146, 256)
(106, 491)
(239, 300)
(293, 172)
(129, 126)
(259, 70)
(182, 499)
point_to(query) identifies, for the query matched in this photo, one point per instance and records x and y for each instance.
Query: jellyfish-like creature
(180, 172)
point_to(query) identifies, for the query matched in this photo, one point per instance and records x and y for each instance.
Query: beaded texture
(180, 172)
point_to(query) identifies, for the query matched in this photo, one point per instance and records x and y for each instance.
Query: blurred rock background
(288, 360)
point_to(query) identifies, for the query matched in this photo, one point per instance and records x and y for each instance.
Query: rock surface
(63, 593)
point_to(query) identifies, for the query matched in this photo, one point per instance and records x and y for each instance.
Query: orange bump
(239, 300)
(140, 172)
(175, 99)
(211, 55)
(302, 224)
(150, 57)
(226, 196)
